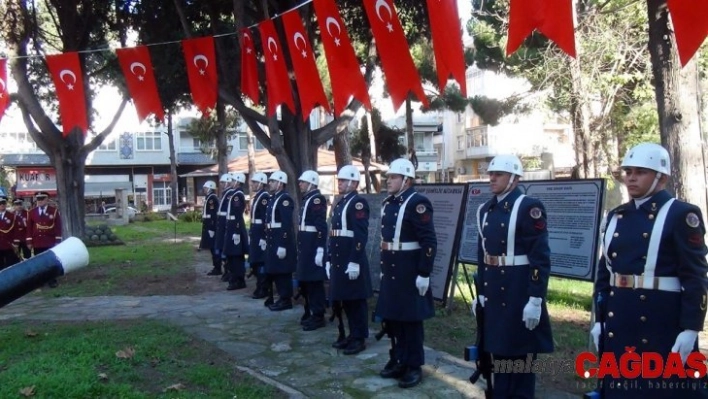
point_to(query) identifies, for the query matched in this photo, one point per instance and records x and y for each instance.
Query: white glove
(236, 238)
(532, 312)
(211, 233)
(684, 343)
(422, 283)
(595, 332)
(352, 271)
(262, 244)
(327, 267)
(381, 276)
(480, 299)
(318, 256)
(281, 253)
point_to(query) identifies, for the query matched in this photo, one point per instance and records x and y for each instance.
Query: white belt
(309, 229)
(400, 246)
(257, 221)
(206, 217)
(274, 225)
(518, 260)
(231, 218)
(671, 284)
(221, 213)
(341, 233)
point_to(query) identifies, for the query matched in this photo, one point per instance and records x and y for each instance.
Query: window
(460, 143)
(108, 145)
(477, 137)
(242, 139)
(161, 193)
(149, 141)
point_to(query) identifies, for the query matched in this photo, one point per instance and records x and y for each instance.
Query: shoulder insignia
(286, 203)
(420, 208)
(264, 202)
(692, 220)
(316, 201)
(359, 206)
(536, 212)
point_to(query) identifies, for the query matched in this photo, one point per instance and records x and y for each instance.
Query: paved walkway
(268, 345)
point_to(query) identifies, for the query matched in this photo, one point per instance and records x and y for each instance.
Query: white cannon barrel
(24, 277)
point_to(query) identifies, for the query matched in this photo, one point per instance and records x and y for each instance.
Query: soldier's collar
(656, 201)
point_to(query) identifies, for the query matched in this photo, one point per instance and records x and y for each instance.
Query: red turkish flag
(201, 69)
(447, 43)
(553, 18)
(68, 80)
(396, 60)
(309, 84)
(249, 66)
(344, 68)
(690, 20)
(140, 78)
(4, 93)
(277, 78)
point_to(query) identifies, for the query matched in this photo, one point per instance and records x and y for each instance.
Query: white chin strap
(508, 185)
(403, 185)
(652, 188)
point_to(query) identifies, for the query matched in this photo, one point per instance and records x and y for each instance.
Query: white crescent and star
(138, 65)
(248, 47)
(271, 40)
(384, 4)
(298, 36)
(64, 72)
(331, 21)
(200, 57)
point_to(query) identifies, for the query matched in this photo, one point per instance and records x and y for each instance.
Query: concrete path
(268, 345)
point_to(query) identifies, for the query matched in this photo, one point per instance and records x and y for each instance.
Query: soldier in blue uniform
(348, 265)
(211, 202)
(280, 253)
(236, 236)
(408, 250)
(311, 242)
(514, 266)
(257, 242)
(651, 281)
(225, 182)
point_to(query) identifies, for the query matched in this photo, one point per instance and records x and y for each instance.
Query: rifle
(302, 292)
(337, 312)
(478, 352)
(600, 308)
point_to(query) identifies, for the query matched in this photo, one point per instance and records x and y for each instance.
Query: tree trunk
(251, 153)
(173, 164)
(69, 161)
(677, 103)
(342, 149)
(580, 115)
(222, 157)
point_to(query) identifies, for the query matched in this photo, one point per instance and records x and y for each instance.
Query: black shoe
(283, 304)
(393, 370)
(313, 323)
(259, 294)
(412, 377)
(355, 346)
(53, 283)
(236, 286)
(340, 343)
(226, 277)
(214, 272)
(306, 317)
(269, 301)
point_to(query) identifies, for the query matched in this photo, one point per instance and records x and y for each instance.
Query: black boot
(392, 369)
(281, 304)
(226, 276)
(412, 377)
(304, 319)
(341, 343)
(355, 346)
(237, 285)
(314, 322)
(214, 272)
(269, 302)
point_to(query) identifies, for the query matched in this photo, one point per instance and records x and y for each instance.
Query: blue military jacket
(347, 244)
(211, 202)
(235, 225)
(280, 232)
(221, 220)
(507, 287)
(398, 297)
(259, 205)
(312, 234)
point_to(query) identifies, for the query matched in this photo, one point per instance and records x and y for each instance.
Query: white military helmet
(260, 177)
(348, 172)
(226, 178)
(650, 156)
(280, 176)
(238, 177)
(210, 185)
(401, 166)
(310, 176)
(506, 163)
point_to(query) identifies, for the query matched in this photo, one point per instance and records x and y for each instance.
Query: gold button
(611, 334)
(393, 265)
(611, 314)
(502, 224)
(644, 340)
(645, 235)
(616, 235)
(395, 214)
(393, 277)
(651, 216)
(614, 254)
(619, 216)
(503, 242)
(612, 293)
(502, 288)
(643, 318)
(485, 223)
(485, 283)
(644, 257)
(382, 262)
(502, 271)
(503, 304)
(642, 297)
